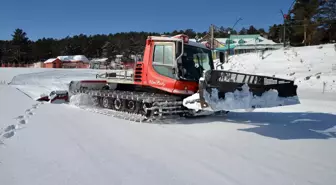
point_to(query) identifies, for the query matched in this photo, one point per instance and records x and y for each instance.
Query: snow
(81, 100)
(43, 81)
(238, 100)
(310, 67)
(74, 58)
(65, 144)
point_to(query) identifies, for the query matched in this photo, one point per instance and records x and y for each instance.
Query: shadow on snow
(283, 126)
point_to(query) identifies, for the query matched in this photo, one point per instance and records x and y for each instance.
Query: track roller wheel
(106, 102)
(132, 106)
(143, 109)
(154, 113)
(118, 104)
(95, 101)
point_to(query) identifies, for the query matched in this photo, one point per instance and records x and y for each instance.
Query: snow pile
(43, 82)
(8, 73)
(311, 67)
(236, 100)
(81, 100)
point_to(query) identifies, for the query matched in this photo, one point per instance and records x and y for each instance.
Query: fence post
(324, 85)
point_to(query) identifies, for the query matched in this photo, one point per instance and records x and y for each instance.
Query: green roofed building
(238, 44)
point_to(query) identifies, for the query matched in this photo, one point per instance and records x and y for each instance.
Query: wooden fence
(16, 65)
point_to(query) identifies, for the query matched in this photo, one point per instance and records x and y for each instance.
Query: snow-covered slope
(37, 81)
(7, 74)
(310, 66)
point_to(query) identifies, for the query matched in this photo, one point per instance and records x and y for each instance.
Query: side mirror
(174, 70)
(221, 57)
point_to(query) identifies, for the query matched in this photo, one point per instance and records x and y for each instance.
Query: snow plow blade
(224, 90)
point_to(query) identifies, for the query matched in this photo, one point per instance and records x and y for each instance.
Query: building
(53, 63)
(38, 65)
(99, 63)
(237, 44)
(76, 61)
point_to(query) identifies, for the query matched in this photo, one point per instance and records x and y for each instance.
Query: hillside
(310, 66)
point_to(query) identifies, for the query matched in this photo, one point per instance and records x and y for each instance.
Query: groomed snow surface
(62, 144)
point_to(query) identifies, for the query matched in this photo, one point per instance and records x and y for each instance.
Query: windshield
(194, 61)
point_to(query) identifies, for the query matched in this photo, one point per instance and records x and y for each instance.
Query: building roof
(50, 60)
(250, 36)
(245, 40)
(226, 47)
(239, 41)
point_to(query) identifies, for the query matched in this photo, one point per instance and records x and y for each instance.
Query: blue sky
(60, 18)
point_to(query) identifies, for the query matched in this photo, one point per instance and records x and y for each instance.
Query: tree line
(20, 49)
(309, 22)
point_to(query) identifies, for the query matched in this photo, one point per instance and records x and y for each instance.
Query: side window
(163, 59)
(163, 54)
(158, 54)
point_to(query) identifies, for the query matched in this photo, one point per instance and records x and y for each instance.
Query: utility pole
(229, 34)
(284, 33)
(284, 29)
(305, 31)
(212, 43)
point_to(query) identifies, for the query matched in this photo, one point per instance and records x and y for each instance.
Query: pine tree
(20, 47)
(327, 18)
(261, 31)
(109, 50)
(1, 52)
(274, 33)
(304, 24)
(243, 31)
(252, 30)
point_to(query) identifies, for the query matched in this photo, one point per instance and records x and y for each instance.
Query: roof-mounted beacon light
(184, 37)
(207, 44)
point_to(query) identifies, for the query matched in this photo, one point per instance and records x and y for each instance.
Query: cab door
(161, 72)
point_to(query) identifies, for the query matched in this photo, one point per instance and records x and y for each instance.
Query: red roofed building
(53, 63)
(76, 61)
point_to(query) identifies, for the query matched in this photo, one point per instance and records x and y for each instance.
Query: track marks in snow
(8, 135)
(10, 128)
(29, 112)
(23, 121)
(10, 131)
(7, 132)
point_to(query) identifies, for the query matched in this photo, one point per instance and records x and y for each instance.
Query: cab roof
(167, 38)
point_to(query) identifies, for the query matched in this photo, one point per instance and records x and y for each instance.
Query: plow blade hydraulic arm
(225, 90)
